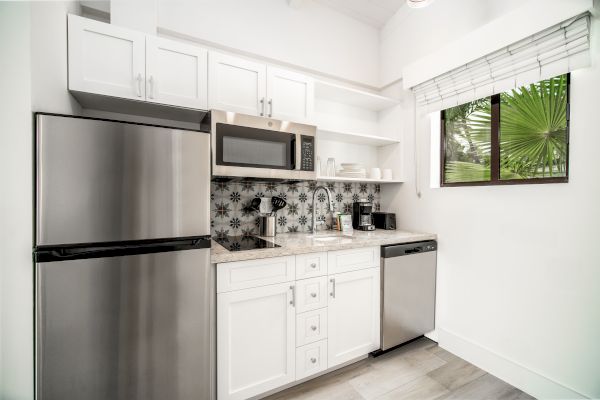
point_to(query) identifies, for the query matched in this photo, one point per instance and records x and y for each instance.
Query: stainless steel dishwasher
(407, 292)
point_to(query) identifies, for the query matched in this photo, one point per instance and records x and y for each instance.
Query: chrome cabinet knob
(313, 265)
(313, 295)
(313, 327)
(313, 360)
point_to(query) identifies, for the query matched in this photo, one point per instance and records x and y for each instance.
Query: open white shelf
(355, 138)
(354, 97)
(365, 180)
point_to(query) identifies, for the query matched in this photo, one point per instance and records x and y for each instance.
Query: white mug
(387, 174)
(375, 173)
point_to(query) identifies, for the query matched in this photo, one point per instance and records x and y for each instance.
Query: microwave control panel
(307, 153)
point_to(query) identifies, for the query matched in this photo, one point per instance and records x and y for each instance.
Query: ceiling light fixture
(418, 3)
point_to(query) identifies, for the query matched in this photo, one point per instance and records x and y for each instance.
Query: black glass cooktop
(241, 243)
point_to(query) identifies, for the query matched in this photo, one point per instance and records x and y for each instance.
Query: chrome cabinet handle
(313, 295)
(313, 360)
(293, 301)
(262, 107)
(313, 327)
(313, 265)
(270, 108)
(151, 81)
(139, 84)
(332, 280)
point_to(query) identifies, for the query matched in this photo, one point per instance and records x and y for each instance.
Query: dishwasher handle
(406, 249)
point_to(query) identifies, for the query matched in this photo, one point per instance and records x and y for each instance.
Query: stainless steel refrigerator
(124, 287)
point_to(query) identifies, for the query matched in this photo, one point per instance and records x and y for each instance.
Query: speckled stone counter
(301, 243)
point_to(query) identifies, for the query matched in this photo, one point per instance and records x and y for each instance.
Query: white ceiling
(373, 12)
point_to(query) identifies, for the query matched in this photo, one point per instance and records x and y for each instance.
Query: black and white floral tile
(228, 200)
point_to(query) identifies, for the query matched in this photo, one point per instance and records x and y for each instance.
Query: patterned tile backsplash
(228, 200)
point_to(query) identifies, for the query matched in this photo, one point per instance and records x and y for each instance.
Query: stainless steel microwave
(257, 147)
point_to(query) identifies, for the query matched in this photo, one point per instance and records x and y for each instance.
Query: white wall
(312, 37)
(413, 33)
(16, 291)
(518, 270)
(49, 74)
(33, 77)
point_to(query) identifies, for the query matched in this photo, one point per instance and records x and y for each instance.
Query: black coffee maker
(362, 216)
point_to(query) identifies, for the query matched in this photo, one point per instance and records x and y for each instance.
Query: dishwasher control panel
(405, 249)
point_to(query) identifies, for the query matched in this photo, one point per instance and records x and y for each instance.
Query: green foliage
(533, 134)
(461, 171)
(533, 129)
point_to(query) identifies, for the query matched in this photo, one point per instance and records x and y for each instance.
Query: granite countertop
(301, 243)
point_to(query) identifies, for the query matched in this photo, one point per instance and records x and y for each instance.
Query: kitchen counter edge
(302, 243)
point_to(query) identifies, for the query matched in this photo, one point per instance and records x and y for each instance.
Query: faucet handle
(318, 224)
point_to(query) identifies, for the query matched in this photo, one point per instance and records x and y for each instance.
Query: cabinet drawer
(311, 327)
(311, 265)
(311, 294)
(253, 273)
(311, 359)
(352, 260)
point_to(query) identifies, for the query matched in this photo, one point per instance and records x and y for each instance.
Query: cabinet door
(235, 84)
(290, 96)
(255, 340)
(176, 73)
(353, 315)
(106, 59)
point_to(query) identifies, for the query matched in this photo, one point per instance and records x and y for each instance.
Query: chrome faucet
(314, 210)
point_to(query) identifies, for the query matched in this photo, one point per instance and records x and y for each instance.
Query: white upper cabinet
(176, 73)
(239, 85)
(106, 59)
(290, 95)
(236, 84)
(109, 60)
(353, 315)
(256, 340)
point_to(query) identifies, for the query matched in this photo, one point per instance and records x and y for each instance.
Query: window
(515, 137)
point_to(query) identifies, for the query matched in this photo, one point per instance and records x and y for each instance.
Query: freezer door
(126, 328)
(101, 181)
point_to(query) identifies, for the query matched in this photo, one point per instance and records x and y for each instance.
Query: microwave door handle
(294, 148)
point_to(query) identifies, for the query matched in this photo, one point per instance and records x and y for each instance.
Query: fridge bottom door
(126, 328)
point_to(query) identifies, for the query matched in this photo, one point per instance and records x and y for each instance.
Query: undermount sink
(327, 236)
(324, 238)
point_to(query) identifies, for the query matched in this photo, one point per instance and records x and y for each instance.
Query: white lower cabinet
(353, 315)
(311, 294)
(274, 328)
(311, 327)
(311, 359)
(256, 344)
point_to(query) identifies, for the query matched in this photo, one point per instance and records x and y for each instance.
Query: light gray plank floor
(418, 371)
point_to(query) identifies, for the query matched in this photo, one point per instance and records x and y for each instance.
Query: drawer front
(311, 327)
(311, 294)
(352, 260)
(311, 359)
(311, 265)
(254, 273)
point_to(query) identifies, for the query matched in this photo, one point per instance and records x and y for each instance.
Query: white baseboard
(518, 375)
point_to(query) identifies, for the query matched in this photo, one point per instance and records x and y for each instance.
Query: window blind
(557, 50)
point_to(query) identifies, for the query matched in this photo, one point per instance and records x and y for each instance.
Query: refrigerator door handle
(65, 253)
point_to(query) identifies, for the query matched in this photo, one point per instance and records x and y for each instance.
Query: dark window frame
(495, 150)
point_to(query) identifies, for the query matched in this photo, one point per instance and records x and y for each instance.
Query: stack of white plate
(351, 170)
